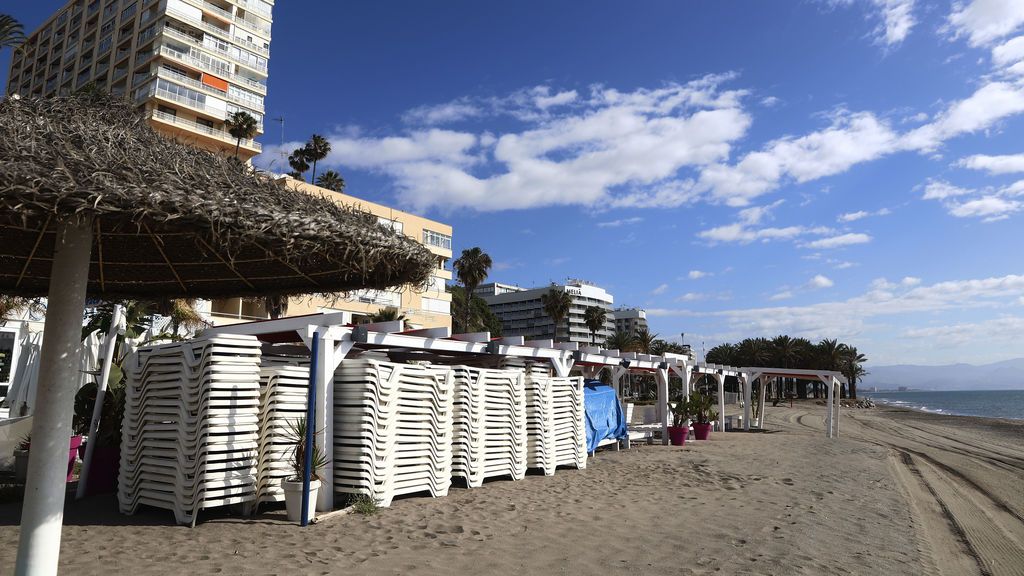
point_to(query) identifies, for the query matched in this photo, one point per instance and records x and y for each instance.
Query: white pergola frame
(337, 339)
(833, 381)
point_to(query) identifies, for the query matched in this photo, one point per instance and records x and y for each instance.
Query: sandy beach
(898, 492)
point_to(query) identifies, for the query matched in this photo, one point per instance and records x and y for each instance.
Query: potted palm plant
(106, 455)
(680, 427)
(21, 459)
(703, 412)
(292, 485)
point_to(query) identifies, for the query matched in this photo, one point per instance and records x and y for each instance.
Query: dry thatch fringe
(95, 155)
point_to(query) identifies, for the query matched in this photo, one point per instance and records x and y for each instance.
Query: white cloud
(897, 20)
(939, 190)
(989, 207)
(620, 222)
(770, 101)
(443, 114)
(1006, 164)
(848, 239)
(661, 289)
(985, 21)
(697, 274)
(853, 216)
(819, 282)
(545, 101)
(1009, 328)
(861, 214)
(691, 297)
(910, 281)
(843, 265)
(783, 295)
(1009, 52)
(988, 104)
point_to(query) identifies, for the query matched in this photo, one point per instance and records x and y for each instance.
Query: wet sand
(897, 493)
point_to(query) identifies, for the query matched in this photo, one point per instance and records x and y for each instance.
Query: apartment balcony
(157, 92)
(200, 65)
(247, 23)
(183, 37)
(197, 85)
(195, 128)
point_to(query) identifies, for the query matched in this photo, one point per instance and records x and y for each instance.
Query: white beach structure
(335, 340)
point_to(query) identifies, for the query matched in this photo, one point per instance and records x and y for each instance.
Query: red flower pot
(76, 441)
(701, 431)
(677, 435)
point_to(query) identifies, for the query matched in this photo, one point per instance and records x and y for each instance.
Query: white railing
(219, 134)
(175, 33)
(238, 20)
(191, 60)
(155, 90)
(193, 83)
(226, 34)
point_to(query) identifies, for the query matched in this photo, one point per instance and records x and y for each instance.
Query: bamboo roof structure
(172, 221)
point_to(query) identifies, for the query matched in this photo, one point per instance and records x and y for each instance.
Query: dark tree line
(800, 353)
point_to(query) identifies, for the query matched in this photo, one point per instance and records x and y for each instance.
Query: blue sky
(850, 169)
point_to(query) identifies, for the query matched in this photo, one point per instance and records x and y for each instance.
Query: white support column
(761, 402)
(42, 511)
(829, 407)
(330, 354)
(835, 419)
(747, 383)
(562, 367)
(721, 401)
(663, 407)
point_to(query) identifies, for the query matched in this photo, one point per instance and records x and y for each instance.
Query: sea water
(988, 403)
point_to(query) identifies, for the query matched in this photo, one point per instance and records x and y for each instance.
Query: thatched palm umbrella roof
(93, 201)
(172, 221)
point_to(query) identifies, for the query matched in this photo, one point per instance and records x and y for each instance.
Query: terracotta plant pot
(701, 431)
(677, 435)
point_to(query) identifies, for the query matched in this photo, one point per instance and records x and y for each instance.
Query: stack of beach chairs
(489, 424)
(392, 429)
(555, 433)
(191, 426)
(284, 392)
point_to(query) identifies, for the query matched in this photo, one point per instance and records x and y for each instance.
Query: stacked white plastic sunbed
(489, 424)
(554, 423)
(392, 429)
(190, 426)
(284, 393)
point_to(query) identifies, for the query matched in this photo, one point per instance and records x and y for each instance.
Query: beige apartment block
(430, 308)
(189, 64)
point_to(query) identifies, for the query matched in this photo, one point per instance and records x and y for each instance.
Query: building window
(431, 238)
(393, 224)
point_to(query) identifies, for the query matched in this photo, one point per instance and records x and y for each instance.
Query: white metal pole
(101, 391)
(761, 401)
(42, 512)
(835, 419)
(747, 383)
(828, 404)
(663, 402)
(721, 401)
(325, 367)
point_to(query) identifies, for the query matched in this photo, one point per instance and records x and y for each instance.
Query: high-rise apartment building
(429, 308)
(521, 311)
(629, 320)
(188, 63)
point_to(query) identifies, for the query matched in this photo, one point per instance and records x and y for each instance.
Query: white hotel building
(522, 313)
(189, 63)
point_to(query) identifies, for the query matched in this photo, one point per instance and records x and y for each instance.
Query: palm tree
(471, 269)
(299, 163)
(317, 149)
(242, 126)
(754, 352)
(331, 180)
(726, 354)
(11, 32)
(619, 340)
(9, 305)
(852, 368)
(556, 305)
(594, 316)
(389, 314)
(276, 306)
(643, 340)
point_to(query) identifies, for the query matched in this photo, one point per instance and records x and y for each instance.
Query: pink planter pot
(677, 435)
(701, 431)
(76, 441)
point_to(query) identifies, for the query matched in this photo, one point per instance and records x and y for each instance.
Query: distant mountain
(1005, 375)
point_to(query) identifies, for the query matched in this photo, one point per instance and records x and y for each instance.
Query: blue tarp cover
(604, 414)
